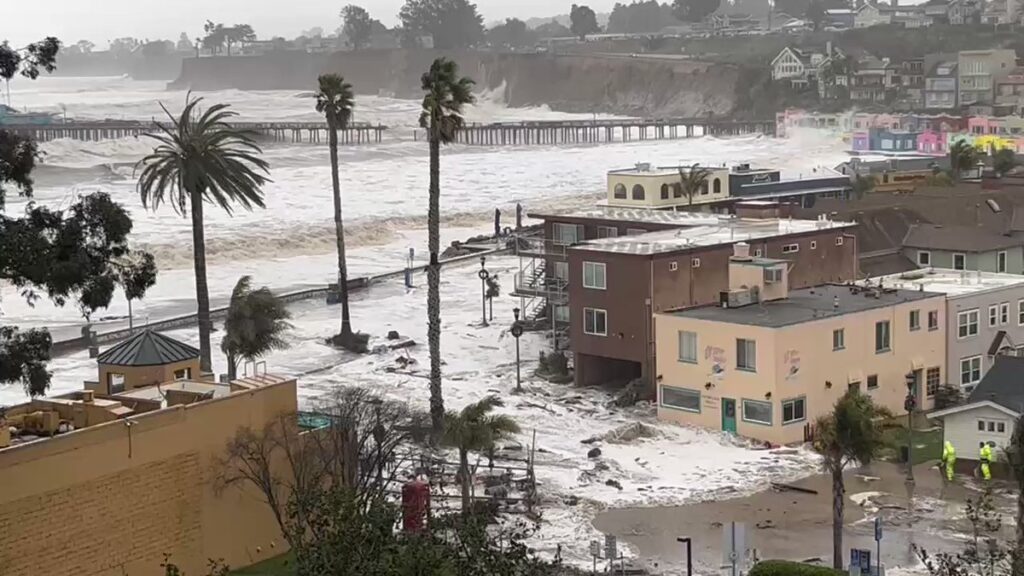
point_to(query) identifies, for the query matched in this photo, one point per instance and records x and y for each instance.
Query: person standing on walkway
(985, 460)
(948, 459)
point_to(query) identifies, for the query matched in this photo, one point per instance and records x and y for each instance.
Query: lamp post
(517, 331)
(689, 554)
(909, 403)
(484, 275)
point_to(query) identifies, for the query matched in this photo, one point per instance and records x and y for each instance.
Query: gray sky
(103, 20)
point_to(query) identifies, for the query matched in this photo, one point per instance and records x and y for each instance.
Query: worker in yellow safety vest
(948, 459)
(984, 460)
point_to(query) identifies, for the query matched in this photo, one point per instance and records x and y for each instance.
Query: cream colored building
(646, 186)
(767, 362)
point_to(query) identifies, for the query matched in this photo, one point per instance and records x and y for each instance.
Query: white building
(800, 67)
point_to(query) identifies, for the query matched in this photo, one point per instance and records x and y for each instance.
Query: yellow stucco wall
(796, 362)
(142, 376)
(113, 499)
(652, 189)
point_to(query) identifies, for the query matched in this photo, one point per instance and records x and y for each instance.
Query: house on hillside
(940, 86)
(801, 67)
(962, 12)
(1010, 91)
(1001, 12)
(967, 248)
(990, 413)
(875, 80)
(980, 70)
(840, 17)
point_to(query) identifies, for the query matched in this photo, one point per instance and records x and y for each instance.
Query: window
(664, 191)
(924, 258)
(607, 232)
(794, 410)
(993, 315)
(932, 380)
(704, 188)
(1020, 312)
(595, 275)
(915, 320)
(680, 399)
(839, 240)
(772, 275)
(595, 322)
(620, 191)
(959, 262)
(638, 192)
(883, 337)
(688, 347)
(695, 263)
(1001, 427)
(567, 234)
(967, 324)
(562, 270)
(991, 426)
(970, 370)
(717, 187)
(183, 374)
(757, 412)
(981, 425)
(1004, 313)
(115, 383)
(673, 266)
(746, 355)
(757, 253)
(933, 320)
(814, 245)
(853, 386)
(562, 314)
(1001, 262)
(873, 382)
(838, 339)
(790, 248)
(677, 190)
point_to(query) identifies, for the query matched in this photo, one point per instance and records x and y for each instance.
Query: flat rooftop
(950, 282)
(651, 170)
(725, 230)
(157, 392)
(638, 215)
(807, 305)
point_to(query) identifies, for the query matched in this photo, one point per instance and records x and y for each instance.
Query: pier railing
(311, 132)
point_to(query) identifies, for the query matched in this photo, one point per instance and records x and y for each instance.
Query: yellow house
(766, 362)
(646, 186)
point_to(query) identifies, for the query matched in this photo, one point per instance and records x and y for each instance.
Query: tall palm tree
(446, 95)
(962, 156)
(200, 157)
(255, 324)
(692, 180)
(334, 100)
(851, 433)
(475, 429)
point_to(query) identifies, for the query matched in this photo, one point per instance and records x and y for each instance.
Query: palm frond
(335, 99)
(446, 96)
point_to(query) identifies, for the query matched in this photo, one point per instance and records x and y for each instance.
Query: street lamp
(909, 403)
(484, 275)
(517, 331)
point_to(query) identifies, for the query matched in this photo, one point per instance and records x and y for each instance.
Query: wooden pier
(311, 132)
(586, 132)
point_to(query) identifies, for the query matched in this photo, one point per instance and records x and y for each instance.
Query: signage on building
(791, 364)
(717, 357)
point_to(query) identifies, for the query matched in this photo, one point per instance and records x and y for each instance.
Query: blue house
(888, 140)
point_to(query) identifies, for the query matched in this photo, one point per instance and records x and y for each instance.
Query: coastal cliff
(618, 84)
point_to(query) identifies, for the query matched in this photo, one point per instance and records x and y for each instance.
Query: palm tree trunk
(339, 232)
(838, 495)
(434, 290)
(232, 367)
(131, 319)
(464, 474)
(202, 290)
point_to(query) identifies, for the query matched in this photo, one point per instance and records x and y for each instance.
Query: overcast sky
(103, 20)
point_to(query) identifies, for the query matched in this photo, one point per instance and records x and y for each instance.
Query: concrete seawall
(620, 84)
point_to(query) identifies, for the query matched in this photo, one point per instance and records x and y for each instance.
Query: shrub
(948, 396)
(786, 568)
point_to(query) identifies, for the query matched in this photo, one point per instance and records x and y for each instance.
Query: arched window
(620, 191)
(638, 192)
(664, 191)
(717, 186)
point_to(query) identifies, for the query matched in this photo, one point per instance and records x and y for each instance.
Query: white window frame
(685, 391)
(974, 373)
(593, 268)
(993, 315)
(562, 270)
(607, 232)
(924, 258)
(841, 340)
(673, 266)
(962, 257)
(682, 353)
(972, 321)
(839, 240)
(814, 244)
(888, 337)
(748, 366)
(695, 263)
(915, 320)
(1004, 313)
(933, 325)
(558, 236)
(790, 248)
(1020, 312)
(595, 312)
(1001, 261)
(743, 411)
(793, 401)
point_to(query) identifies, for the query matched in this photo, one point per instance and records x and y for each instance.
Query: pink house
(930, 142)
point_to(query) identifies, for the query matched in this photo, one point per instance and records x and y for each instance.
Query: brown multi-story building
(615, 285)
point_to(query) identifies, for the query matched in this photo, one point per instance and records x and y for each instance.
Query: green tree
(1004, 160)
(983, 552)
(692, 180)
(201, 158)
(862, 185)
(335, 100)
(552, 29)
(358, 26)
(446, 96)
(215, 38)
(962, 157)
(1015, 461)
(29, 62)
(640, 17)
(583, 21)
(512, 34)
(136, 275)
(451, 23)
(476, 429)
(851, 433)
(238, 34)
(694, 10)
(255, 325)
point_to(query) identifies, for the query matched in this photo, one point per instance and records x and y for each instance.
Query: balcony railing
(556, 290)
(539, 247)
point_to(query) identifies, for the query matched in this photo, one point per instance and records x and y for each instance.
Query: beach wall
(620, 84)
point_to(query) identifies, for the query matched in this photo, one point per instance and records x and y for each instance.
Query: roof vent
(741, 252)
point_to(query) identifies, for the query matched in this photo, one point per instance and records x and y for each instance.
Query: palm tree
(862, 185)
(334, 100)
(962, 156)
(1004, 160)
(1015, 460)
(692, 180)
(201, 158)
(476, 429)
(255, 324)
(446, 95)
(851, 433)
